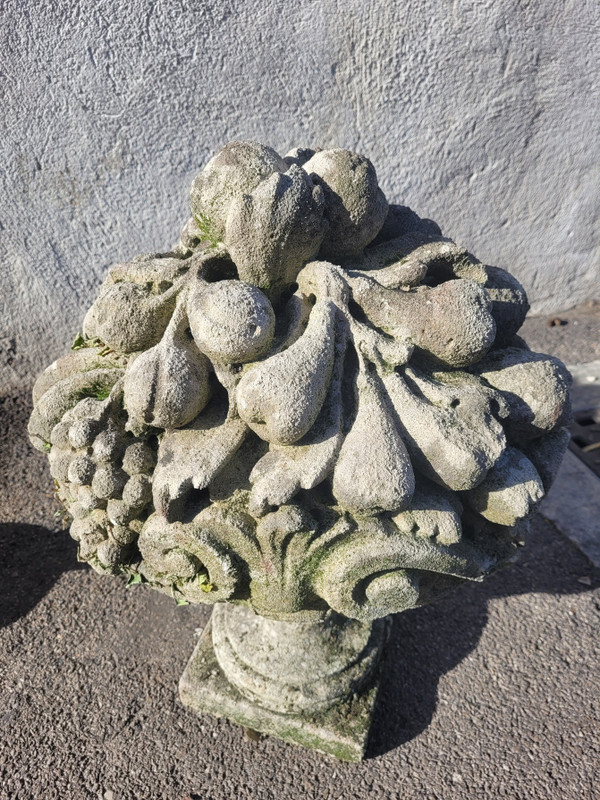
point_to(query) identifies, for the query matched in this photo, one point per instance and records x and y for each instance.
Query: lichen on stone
(315, 401)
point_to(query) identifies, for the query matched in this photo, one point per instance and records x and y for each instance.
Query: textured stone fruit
(231, 321)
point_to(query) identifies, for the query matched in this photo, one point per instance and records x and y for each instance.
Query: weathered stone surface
(295, 667)
(509, 491)
(341, 730)
(535, 387)
(236, 169)
(142, 319)
(373, 472)
(324, 380)
(355, 206)
(246, 422)
(190, 457)
(231, 321)
(451, 432)
(272, 232)
(280, 398)
(460, 328)
(546, 453)
(167, 386)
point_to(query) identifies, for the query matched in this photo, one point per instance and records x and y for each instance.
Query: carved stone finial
(315, 407)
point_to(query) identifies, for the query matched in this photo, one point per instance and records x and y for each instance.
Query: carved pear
(535, 387)
(451, 322)
(510, 491)
(373, 472)
(281, 397)
(160, 270)
(167, 386)
(285, 469)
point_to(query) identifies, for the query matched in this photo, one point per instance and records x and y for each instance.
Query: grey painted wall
(482, 114)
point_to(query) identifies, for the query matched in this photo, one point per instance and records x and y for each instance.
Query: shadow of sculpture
(32, 558)
(427, 643)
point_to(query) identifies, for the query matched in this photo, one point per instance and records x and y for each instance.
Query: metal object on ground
(585, 438)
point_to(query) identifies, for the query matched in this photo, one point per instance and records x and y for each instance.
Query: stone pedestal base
(340, 730)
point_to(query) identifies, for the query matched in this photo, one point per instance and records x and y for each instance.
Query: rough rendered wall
(479, 113)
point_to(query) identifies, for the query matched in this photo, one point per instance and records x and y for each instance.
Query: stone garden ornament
(313, 413)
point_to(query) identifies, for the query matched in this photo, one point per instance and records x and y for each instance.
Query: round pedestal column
(294, 667)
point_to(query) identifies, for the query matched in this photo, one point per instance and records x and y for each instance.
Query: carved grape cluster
(103, 475)
(315, 400)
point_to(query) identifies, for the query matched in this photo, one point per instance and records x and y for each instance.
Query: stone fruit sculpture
(314, 412)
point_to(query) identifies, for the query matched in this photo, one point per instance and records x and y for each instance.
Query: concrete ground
(491, 694)
(573, 336)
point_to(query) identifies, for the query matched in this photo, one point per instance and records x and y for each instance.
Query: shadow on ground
(428, 642)
(425, 644)
(32, 559)
(32, 556)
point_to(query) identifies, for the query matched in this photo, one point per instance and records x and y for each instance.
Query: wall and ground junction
(481, 114)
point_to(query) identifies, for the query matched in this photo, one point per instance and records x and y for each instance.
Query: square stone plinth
(341, 731)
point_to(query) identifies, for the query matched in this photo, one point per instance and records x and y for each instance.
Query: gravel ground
(492, 694)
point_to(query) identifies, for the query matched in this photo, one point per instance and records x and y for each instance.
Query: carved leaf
(284, 470)
(272, 232)
(376, 570)
(189, 559)
(190, 457)
(451, 433)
